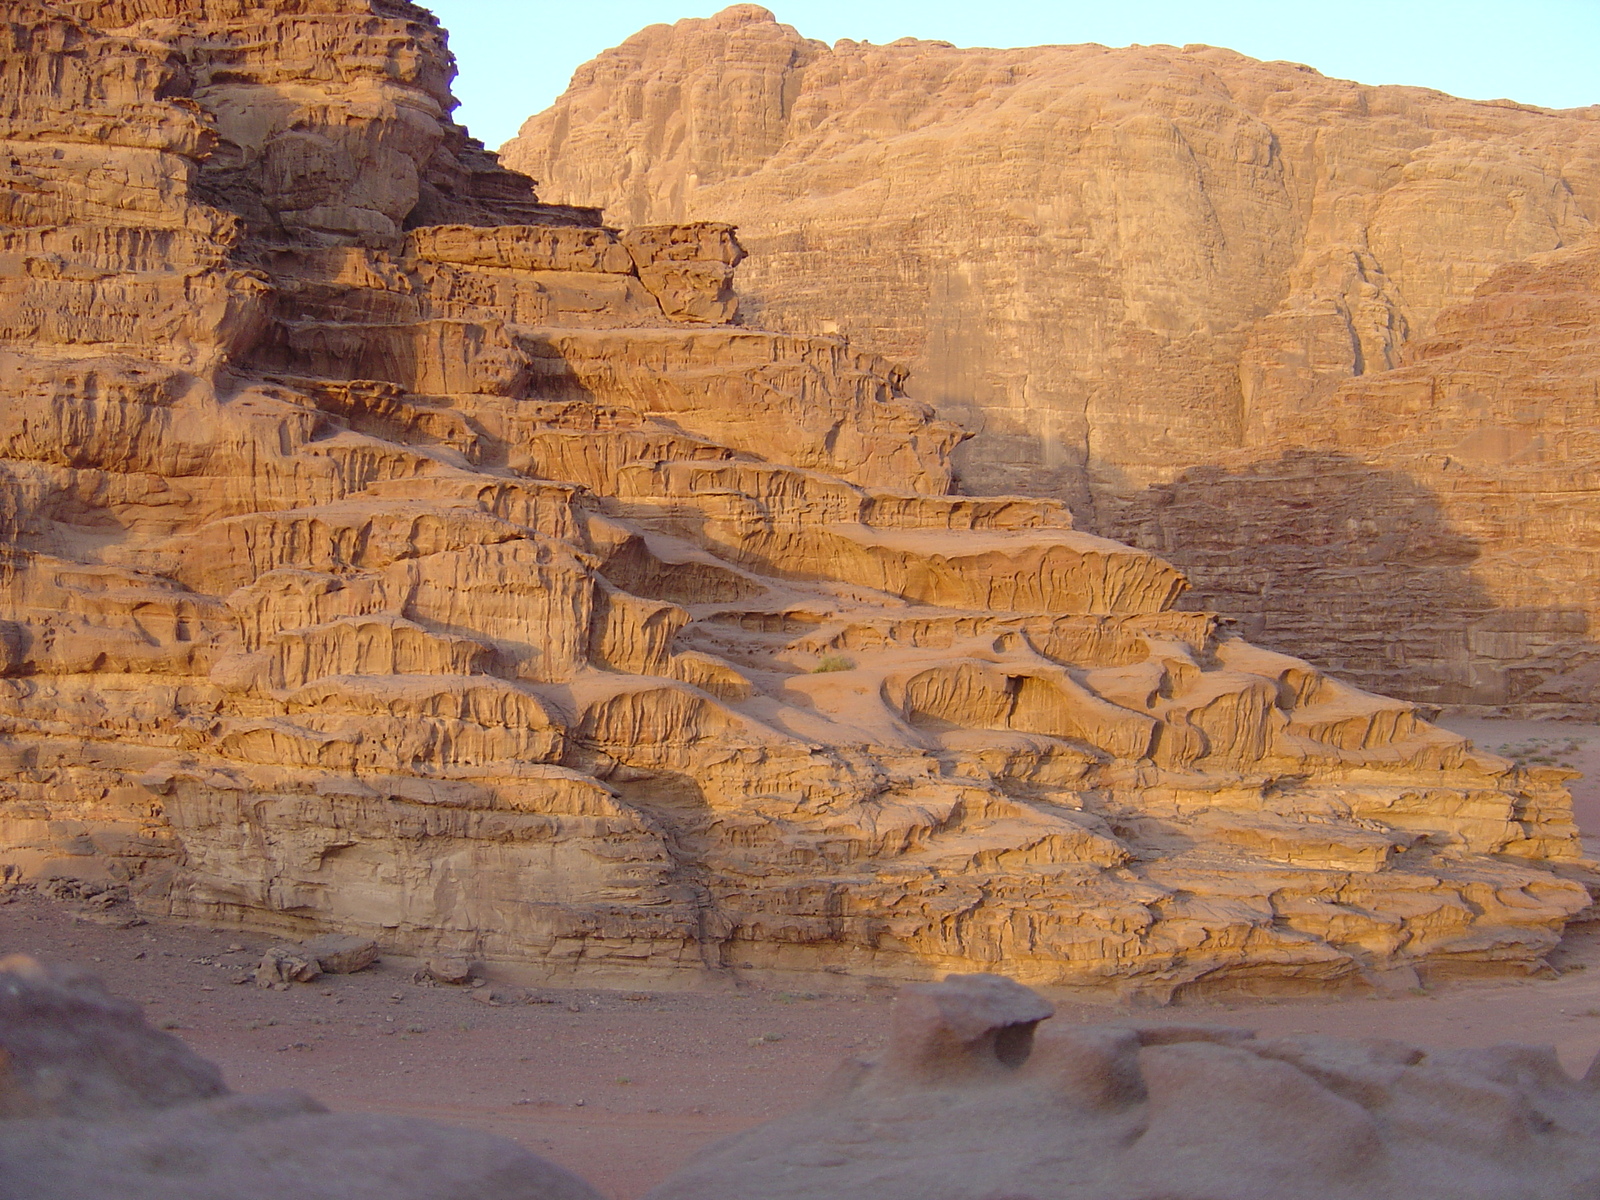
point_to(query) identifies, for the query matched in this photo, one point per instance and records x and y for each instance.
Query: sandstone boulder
(282, 965)
(448, 969)
(965, 1103)
(72, 1051)
(341, 954)
(96, 1103)
(688, 268)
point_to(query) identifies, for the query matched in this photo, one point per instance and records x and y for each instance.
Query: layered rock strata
(1150, 278)
(1447, 510)
(979, 1095)
(389, 552)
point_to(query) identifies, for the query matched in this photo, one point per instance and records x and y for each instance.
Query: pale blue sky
(517, 55)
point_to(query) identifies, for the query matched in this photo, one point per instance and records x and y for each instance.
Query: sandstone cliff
(386, 550)
(1150, 278)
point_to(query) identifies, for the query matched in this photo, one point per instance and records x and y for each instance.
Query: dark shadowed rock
(95, 1103)
(70, 1050)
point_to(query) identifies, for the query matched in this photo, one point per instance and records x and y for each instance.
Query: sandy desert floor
(624, 1086)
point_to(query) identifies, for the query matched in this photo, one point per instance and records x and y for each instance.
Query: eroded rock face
(967, 1103)
(410, 559)
(1150, 278)
(93, 1102)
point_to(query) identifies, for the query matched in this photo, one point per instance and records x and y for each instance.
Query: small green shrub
(833, 662)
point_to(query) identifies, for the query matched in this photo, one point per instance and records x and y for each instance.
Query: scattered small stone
(61, 889)
(111, 920)
(234, 948)
(495, 997)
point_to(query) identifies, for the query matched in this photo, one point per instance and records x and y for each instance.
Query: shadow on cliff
(1358, 570)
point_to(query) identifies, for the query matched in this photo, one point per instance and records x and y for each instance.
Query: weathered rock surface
(1151, 278)
(282, 965)
(342, 954)
(71, 1051)
(93, 1102)
(389, 553)
(967, 1103)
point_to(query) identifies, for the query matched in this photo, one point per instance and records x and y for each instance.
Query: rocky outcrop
(94, 1102)
(387, 552)
(968, 1102)
(1444, 509)
(1152, 280)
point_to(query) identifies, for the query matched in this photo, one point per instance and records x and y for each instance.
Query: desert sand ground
(624, 1086)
